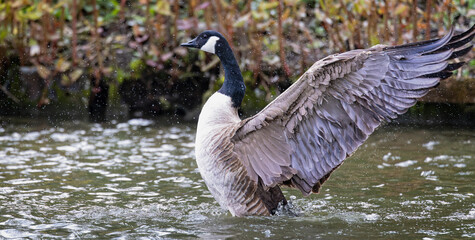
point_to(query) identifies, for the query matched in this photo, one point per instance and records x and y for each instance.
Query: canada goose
(306, 133)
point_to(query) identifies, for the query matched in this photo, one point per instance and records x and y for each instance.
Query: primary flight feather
(307, 132)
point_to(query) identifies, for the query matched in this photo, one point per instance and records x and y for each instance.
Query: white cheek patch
(210, 44)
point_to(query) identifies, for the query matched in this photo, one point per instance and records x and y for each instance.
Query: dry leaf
(62, 65)
(43, 71)
(75, 75)
(163, 7)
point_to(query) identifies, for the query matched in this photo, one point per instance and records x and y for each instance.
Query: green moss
(469, 108)
(67, 99)
(121, 75)
(137, 66)
(114, 97)
(165, 104)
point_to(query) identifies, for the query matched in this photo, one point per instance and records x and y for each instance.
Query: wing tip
(448, 41)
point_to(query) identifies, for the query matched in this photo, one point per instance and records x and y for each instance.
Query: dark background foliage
(88, 55)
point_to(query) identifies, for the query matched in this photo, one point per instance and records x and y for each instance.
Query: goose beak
(191, 44)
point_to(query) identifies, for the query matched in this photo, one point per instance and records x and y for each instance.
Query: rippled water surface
(138, 179)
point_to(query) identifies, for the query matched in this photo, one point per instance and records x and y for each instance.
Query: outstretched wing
(309, 130)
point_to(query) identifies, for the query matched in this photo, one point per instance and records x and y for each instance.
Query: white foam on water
(31, 136)
(64, 137)
(371, 217)
(140, 122)
(386, 157)
(405, 163)
(430, 145)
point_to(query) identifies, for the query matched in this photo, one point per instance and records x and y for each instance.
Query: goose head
(213, 42)
(208, 41)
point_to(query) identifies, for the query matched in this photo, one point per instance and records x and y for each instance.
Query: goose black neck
(233, 85)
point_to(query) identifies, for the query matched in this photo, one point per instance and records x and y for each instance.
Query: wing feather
(309, 130)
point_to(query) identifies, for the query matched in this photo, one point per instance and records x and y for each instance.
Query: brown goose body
(307, 132)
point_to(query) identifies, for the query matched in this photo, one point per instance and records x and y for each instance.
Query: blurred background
(121, 59)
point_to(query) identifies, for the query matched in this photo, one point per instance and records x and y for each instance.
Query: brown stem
(356, 39)
(339, 38)
(5, 23)
(51, 31)
(414, 20)
(21, 42)
(9, 94)
(217, 6)
(122, 10)
(159, 23)
(280, 36)
(98, 72)
(256, 44)
(229, 27)
(191, 13)
(12, 22)
(44, 39)
(75, 35)
(303, 60)
(329, 30)
(370, 19)
(208, 18)
(443, 8)
(428, 17)
(149, 22)
(399, 31)
(176, 12)
(221, 22)
(372, 22)
(449, 10)
(61, 23)
(386, 20)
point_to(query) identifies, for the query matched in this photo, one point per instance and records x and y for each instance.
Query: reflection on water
(139, 179)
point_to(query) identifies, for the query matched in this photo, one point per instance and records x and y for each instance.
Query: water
(138, 179)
